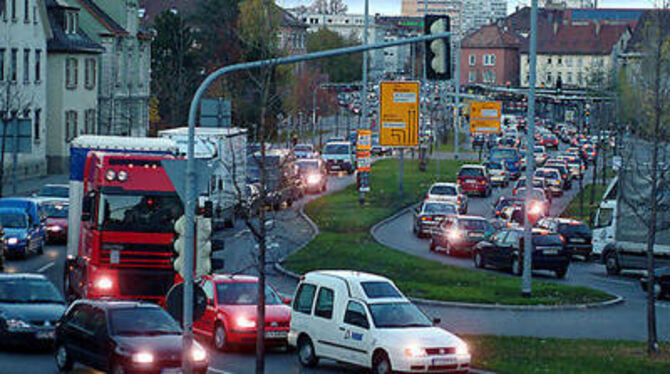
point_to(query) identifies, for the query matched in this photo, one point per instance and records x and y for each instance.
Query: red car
(474, 179)
(56, 212)
(550, 141)
(230, 316)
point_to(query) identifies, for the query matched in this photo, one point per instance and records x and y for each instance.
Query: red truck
(124, 207)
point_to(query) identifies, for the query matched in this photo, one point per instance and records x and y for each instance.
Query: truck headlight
(103, 283)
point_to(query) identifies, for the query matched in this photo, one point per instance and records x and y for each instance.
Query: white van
(363, 319)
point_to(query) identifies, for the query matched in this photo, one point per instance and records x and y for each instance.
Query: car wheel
(63, 360)
(381, 364)
(67, 289)
(40, 249)
(560, 273)
(449, 250)
(479, 260)
(488, 192)
(117, 368)
(516, 267)
(433, 245)
(306, 354)
(220, 337)
(612, 264)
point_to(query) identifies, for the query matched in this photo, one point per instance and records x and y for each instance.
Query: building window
(14, 10)
(548, 60)
(2, 64)
(549, 78)
(13, 74)
(570, 77)
(580, 62)
(38, 65)
(70, 125)
(71, 73)
(560, 61)
(489, 76)
(90, 73)
(471, 76)
(580, 78)
(26, 66)
(37, 124)
(489, 60)
(568, 61)
(26, 11)
(89, 121)
(473, 59)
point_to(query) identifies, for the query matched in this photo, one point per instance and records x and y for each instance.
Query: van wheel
(612, 264)
(63, 360)
(306, 354)
(381, 364)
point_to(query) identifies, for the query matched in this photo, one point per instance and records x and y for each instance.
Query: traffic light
(179, 246)
(203, 248)
(438, 51)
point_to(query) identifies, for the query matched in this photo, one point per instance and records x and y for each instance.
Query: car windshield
(244, 293)
(336, 149)
(142, 321)
(475, 225)
(471, 172)
(14, 220)
(494, 165)
(139, 213)
(498, 154)
(535, 194)
(398, 315)
(29, 291)
(303, 148)
(538, 150)
(551, 174)
(56, 210)
(438, 208)
(561, 168)
(444, 190)
(576, 228)
(54, 191)
(547, 240)
(304, 166)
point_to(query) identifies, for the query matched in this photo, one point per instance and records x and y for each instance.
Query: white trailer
(79, 149)
(228, 146)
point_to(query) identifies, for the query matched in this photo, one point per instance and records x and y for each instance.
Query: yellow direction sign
(399, 114)
(485, 117)
(364, 141)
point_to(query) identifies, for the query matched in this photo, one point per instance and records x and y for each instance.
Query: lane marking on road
(218, 371)
(46, 267)
(243, 232)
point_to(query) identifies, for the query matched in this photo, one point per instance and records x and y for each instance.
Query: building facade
(292, 35)
(490, 56)
(477, 13)
(23, 93)
(416, 8)
(124, 66)
(72, 84)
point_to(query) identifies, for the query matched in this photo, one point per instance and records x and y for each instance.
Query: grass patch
(521, 355)
(464, 145)
(345, 243)
(573, 210)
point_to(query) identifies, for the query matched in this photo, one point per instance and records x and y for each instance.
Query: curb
(315, 231)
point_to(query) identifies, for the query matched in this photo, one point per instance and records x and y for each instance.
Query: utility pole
(526, 282)
(457, 75)
(364, 112)
(15, 154)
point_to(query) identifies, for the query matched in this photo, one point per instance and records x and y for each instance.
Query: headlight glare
(143, 358)
(415, 351)
(198, 354)
(17, 324)
(462, 349)
(245, 323)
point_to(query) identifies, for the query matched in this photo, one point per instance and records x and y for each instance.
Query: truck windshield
(336, 149)
(139, 213)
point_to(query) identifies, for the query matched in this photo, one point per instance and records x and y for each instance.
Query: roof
(233, 277)
(153, 7)
(477, 166)
(649, 16)
(289, 20)
(445, 183)
(591, 38)
(4, 276)
(114, 304)
(11, 209)
(491, 36)
(123, 143)
(105, 19)
(63, 42)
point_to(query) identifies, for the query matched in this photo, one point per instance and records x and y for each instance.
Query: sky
(392, 7)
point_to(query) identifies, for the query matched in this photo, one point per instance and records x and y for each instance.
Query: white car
(450, 193)
(364, 320)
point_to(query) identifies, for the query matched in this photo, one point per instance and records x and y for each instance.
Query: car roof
(14, 210)
(446, 184)
(352, 280)
(10, 276)
(471, 217)
(466, 166)
(57, 185)
(233, 278)
(565, 220)
(339, 142)
(117, 304)
(438, 202)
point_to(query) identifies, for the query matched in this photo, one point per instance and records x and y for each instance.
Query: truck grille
(145, 282)
(137, 255)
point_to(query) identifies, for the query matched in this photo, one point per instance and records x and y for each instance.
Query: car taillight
(426, 218)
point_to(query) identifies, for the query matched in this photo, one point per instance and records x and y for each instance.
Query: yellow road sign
(364, 141)
(482, 126)
(485, 117)
(399, 114)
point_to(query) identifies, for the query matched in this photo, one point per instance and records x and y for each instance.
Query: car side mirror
(437, 321)
(217, 264)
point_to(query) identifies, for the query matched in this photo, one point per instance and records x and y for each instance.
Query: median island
(345, 242)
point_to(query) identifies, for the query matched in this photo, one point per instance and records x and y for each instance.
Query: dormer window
(71, 22)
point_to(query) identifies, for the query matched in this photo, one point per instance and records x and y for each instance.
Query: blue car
(20, 237)
(511, 158)
(36, 220)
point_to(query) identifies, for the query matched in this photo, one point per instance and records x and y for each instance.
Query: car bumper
(427, 227)
(338, 165)
(473, 188)
(580, 249)
(498, 180)
(433, 364)
(29, 337)
(550, 262)
(272, 337)
(157, 368)
(57, 236)
(18, 249)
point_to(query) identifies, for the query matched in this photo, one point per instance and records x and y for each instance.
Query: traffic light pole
(526, 281)
(364, 112)
(457, 76)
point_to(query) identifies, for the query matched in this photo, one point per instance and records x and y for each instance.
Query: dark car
(314, 174)
(577, 234)
(30, 306)
(460, 234)
(504, 250)
(661, 282)
(428, 216)
(282, 182)
(122, 336)
(478, 141)
(504, 202)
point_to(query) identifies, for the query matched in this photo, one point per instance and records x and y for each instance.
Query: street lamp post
(364, 111)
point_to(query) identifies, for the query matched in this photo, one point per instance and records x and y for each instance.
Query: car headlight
(17, 324)
(143, 358)
(462, 349)
(55, 228)
(455, 235)
(245, 323)
(415, 351)
(12, 241)
(103, 283)
(313, 179)
(198, 354)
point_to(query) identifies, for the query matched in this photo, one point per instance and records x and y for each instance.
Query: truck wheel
(612, 264)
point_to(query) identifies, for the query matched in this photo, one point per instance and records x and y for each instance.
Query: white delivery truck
(619, 234)
(228, 146)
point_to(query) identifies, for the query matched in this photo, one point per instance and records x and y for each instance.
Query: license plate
(171, 371)
(335, 167)
(550, 251)
(443, 361)
(470, 181)
(578, 240)
(45, 334)
(276, 334)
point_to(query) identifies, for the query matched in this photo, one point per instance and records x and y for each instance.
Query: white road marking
(46, 267)
(243, 232)
(218, 371)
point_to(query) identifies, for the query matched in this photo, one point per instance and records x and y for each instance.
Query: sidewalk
(28, 186)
